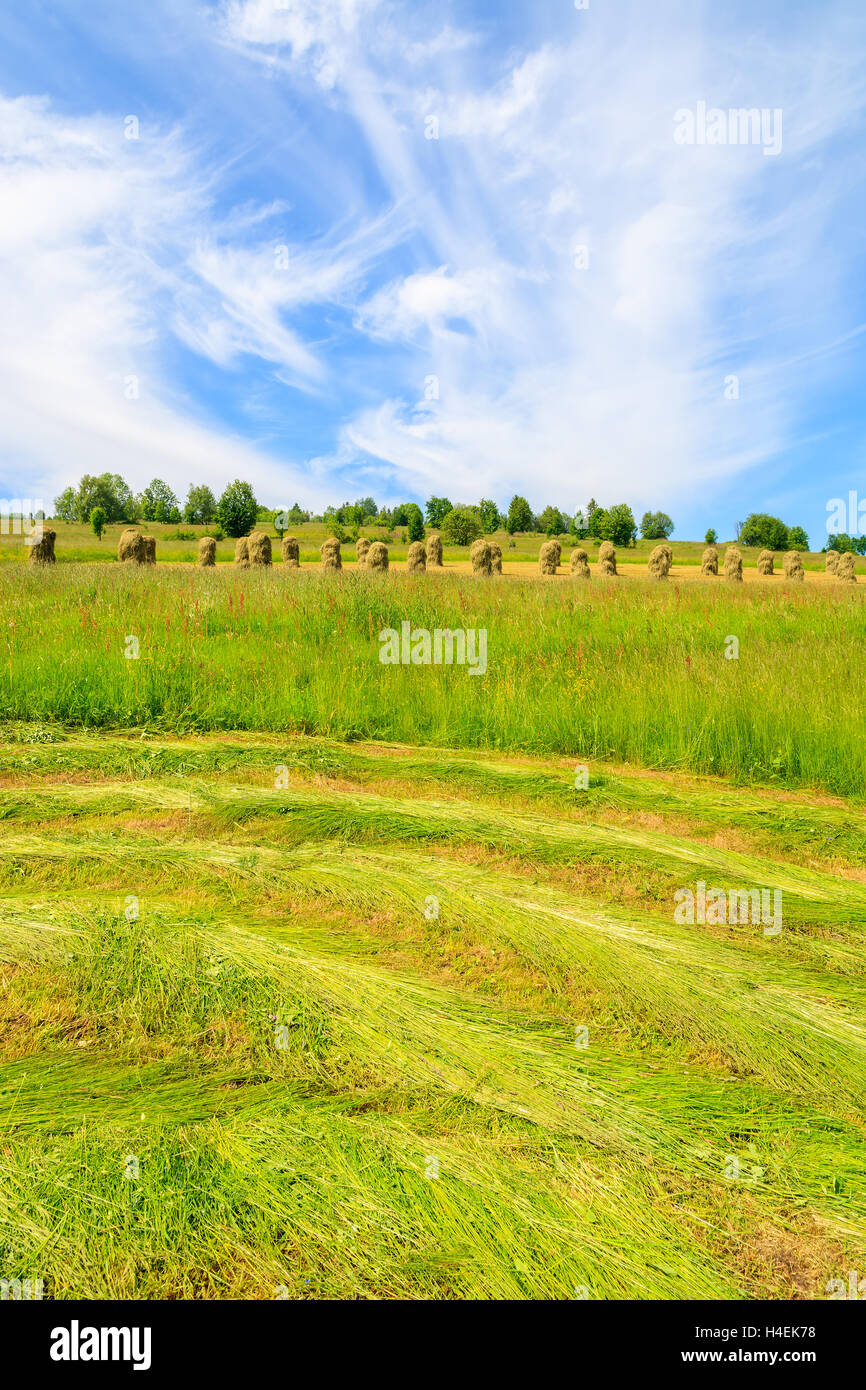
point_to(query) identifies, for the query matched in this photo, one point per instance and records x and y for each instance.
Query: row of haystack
(135, 549)
(551, 553)
(841, 564)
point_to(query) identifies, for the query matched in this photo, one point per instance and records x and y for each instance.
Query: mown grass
(629, 672)
(330, 1090)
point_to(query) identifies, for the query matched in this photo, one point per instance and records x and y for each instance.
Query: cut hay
(765, 562)
(845, 569)
(42, 551)
(549, 557)
(832, 561)
(131, 548)
(416, 558)
(291, 552)
(793, 565)
(377, 556)
(242, 553)
(495, 558)
(580, 564)
(479, 554)
(659, 562)
(434, 552)
(149, 550)
(606, 558)
(362, 545)
(206, 552)
(733, 564)
(331, 555)
(259, 549)
(710, 560)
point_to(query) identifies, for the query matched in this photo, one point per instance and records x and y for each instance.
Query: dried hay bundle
(765, 562)
(377, 556)
(479, 554)
(733, 564)
(845, 569)
(149, 550)
(580, 564)
(434, 552)
(495, 557)
(331, 555)
(206, 552)
(549, 557)
(259, 549)
(832, 561)
(362, 545)
(42, 551)
(416, 558)
(291, 552)
(242, 553)
(130, 547)
(710, 560)
(659, 562)
(606, 558)
(793, 565)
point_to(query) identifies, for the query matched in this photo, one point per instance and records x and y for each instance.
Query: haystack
(793, 565)
(291, 552)
(434, 552)
(42, 552)
(242, 553)
(131, 547)
(362, 545)
(659, 562)
(606, 558)
(495, 558)
(377, 556)
(710, 560)
(733, 564)
(206, 552)
(259, 549)
(416, 558)
(331, 555)
(580, 564)
(149, 550)
(765, 562)
(845, 568)
(479, 554)
(549, 557)
(832, 561)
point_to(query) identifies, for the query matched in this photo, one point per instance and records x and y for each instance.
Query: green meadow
(321, 978)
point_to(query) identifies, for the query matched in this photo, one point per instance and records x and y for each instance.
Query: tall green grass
(609, 670)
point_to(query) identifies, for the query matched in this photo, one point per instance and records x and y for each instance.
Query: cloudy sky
(340, 247)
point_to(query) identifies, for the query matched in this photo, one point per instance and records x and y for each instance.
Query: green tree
(552, 522)
(490, 518)
(238, 509)
(798, 540)
(297, 515)
(97, 521)
(108, 491)
(200, 506)
(158, 502)
(416, 522)
(400, 515)
(64, 505)
(462, 525)
(711, 537)
(656, 526)
(766, 532)
(578, 526)
(598, 522)
(520, 516)
(437, 508)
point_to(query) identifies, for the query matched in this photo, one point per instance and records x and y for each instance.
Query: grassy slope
(416, 1040)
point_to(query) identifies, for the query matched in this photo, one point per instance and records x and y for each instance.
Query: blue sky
(342, 254)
